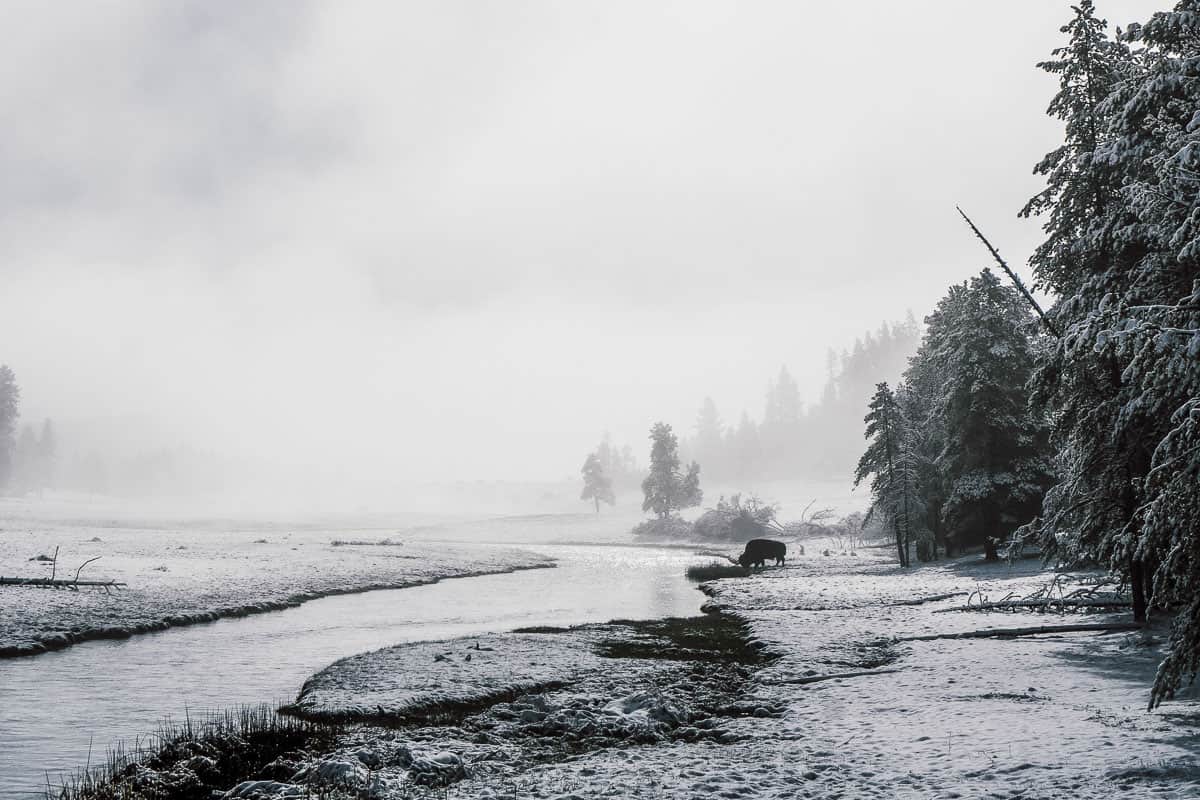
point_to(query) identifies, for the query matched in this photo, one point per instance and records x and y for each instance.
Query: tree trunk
(937, 530)
(900, 543)
(989, 549)
(597, 499)
(1138, 587)
(992, 526)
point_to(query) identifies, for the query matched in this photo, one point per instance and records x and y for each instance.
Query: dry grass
(189, 760)
(714, 570)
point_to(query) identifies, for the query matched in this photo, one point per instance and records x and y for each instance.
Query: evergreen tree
(665, 488)
(10, 403)
(1086, 258)
(994, 456)
(1123, 255)
(889, 458)
(1152, 324)
(597, 486)
(926, 439)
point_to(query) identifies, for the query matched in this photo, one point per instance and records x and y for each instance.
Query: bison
(759, 550)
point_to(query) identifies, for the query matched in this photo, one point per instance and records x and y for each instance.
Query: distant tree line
(607, 470)
(28, 460)
(791, 440)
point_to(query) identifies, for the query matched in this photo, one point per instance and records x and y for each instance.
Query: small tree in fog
(889, 458)
(666, 489)
(10, 400)
(596, 484)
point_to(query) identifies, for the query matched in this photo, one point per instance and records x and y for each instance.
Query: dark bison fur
(759, 550)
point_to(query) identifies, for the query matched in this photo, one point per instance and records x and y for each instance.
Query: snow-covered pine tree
(1155, 320)
(926, 438)
(921, 402)
(995, 457)
(1087, 256)
(665, 489)
(890, 463)
(10, 402)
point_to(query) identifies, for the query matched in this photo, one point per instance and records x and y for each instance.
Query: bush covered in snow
(664, 528)
(736, 520)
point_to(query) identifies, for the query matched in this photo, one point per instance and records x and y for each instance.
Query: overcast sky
(461, 239)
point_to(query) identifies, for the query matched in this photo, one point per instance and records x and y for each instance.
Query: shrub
(664, 528)
(735, 519)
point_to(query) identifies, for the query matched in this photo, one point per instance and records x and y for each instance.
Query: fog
(369, 243)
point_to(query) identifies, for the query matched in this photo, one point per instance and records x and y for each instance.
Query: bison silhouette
(759, 550)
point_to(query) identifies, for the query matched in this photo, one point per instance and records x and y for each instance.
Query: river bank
(676, 709)
(178, 576)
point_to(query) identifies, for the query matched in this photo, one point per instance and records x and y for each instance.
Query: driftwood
(917, 601)
(1007, 633)
(1051, 597)
(55, 584)
(58, 583)
(833, 676)
(1042, 605)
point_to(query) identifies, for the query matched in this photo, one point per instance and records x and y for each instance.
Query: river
(58, 707)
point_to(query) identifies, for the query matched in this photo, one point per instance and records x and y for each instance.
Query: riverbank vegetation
(190, 760)
(714, 570)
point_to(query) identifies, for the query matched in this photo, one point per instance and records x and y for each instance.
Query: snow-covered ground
(185, 572)
(1047, 716)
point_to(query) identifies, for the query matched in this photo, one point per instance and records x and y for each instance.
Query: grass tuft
(190, 760)
(714, 570)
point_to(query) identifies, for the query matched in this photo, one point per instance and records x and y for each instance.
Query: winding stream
(55, 706)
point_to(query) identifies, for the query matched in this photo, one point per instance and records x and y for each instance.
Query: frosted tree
(889, 462)
(1081, 186)
(1152, 321)
(666, 489)
(994, 460)
(10, 403)
(1122, 254)
(597, 486)
(920, 398)
(925, 440)
(1082, 260)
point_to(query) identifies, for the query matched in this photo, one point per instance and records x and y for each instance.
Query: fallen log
(833, 676)
(1068, 602)
(56, 583)
(916, 601)
(1007, 633)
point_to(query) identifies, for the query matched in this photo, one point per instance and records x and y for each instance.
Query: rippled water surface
(53, 707)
